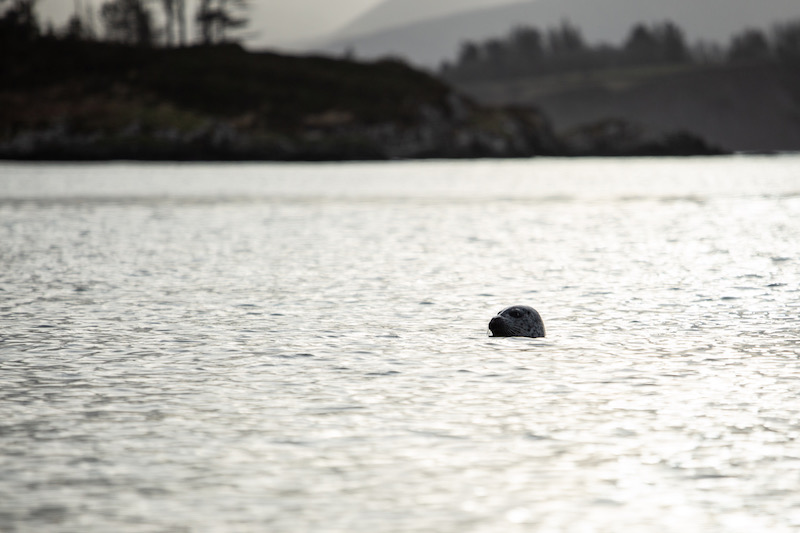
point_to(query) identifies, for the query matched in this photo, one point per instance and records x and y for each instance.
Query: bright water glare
(303, 348)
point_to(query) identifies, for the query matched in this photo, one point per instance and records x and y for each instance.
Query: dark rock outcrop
(616, 137)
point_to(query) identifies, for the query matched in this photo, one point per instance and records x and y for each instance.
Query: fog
(273, 24)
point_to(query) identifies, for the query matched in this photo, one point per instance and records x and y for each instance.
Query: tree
(787, 42)
(641, 44)
(80, 25)
(216, 17)
(169, 21)
(750, 45)
(529, 51)
(671, 42)
(528, 43)
(566, 39)
(19, 23)
(495, 51)
(659, 43)
(469, 54)
(75, 28)
(174, 15)
(128, 21)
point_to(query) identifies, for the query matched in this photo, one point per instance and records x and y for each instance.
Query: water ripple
(179, 356)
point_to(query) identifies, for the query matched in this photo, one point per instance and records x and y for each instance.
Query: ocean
(222, 348)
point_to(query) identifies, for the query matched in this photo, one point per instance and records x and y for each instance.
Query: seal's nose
(495, 325)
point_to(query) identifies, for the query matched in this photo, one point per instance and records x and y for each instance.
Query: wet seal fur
(517, 321)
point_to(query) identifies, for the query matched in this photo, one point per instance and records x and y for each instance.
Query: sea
(303, 348)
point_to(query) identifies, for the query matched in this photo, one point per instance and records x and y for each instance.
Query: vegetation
(530, 52)
(67, 95)
(68, 98)
(128, 22)
(134, 22)
(217, 17)
(220, 80)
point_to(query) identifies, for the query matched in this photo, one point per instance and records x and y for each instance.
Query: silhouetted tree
(672, 42)
(470, 54)
(174, 16)
(566, 39)
(18, 23)
(80, 26)
(216, 17)
(750, 45)
(181, 16)
(494, 51)
(786, 39)
(128, 21)
(641, 44)
(527, 43)
(169, 21)
(75, 28)
(528, 51)
(656, 44)
(524, 51)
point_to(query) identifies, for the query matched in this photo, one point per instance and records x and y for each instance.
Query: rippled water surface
(303, 348)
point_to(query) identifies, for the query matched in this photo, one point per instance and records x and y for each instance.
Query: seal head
(517, 321)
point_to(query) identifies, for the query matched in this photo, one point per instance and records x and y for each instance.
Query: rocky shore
(459, 130)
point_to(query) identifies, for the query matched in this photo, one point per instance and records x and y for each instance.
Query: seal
(517, 321)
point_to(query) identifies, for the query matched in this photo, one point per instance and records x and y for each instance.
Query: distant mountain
(395, 13)
(430, 41)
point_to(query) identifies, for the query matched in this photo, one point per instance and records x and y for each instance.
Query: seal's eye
(516, 313)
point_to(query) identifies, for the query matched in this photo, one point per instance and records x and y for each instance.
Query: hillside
(431, 41)
(745, 107)
(62, 99)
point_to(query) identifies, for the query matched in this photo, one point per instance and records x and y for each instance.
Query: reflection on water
(216, 348)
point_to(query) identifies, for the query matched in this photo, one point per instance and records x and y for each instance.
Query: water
(303, 348)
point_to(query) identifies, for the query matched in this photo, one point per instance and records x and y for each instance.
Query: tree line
(529, 51)
(131, 22)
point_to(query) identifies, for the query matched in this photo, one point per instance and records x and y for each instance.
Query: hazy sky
(273, 22)
(276, 21)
